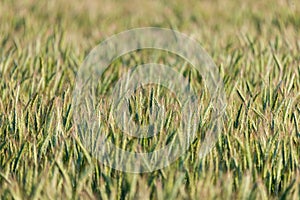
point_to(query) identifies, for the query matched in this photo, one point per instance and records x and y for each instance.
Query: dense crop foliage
(256, 46)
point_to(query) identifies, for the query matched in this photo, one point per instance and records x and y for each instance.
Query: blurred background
(213, 23)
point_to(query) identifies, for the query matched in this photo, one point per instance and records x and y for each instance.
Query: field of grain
(256, 47)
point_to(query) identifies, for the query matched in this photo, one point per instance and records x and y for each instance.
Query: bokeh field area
(256, 47)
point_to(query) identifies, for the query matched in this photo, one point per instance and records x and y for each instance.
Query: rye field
(255, 46)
